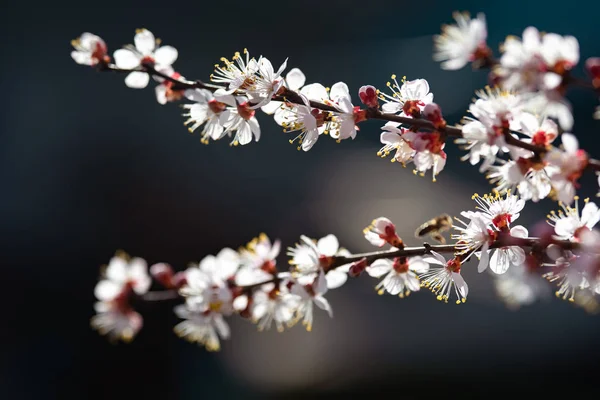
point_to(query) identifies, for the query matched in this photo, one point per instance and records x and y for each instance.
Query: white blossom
(116, 320)
(537, 64)
(206, 111)
(311, 293)
(276, 304)
(144, 51)
(258, 261)
(459, 44)
(408, 99)
(123, 274)
(238, 74)
(239, 118)
(114, 315)
(294, 80)
(473, 236)
(571, 223)
(400, 274)
(309, 256)
(569, 164)
(89, 50)
(267, 83)
(393, 140)
(302, 118)
(506, 257)
(203, 328)
(499, 211)
(443, 276)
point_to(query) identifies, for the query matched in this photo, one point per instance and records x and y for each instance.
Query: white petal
(323, 304)
(295, 79)
(519, 231)
(590, 215)
(117, 269)
(254, 127)
(328, 245)
(106, 290)
(335, 279)
(271, 107)
(499, 261)
(315, 91)
(339, 89)
(379, 267)
(137, 80)
(161, 94)
(144, 41)
(460, 283)
(165, 55)
(418, 264)
(570, 142)
(126, 59)
(485, 256)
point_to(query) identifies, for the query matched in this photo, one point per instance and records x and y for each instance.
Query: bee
(434, 227)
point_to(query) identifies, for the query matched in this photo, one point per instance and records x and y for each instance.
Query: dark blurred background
(88, 166)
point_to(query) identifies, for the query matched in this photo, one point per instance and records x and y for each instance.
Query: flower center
(502, 221)
(453, 265)
(248, 83)
(147, 60)
(540, 138)
(400, 265)
(411, 107)
(215, 306)
(216, 106)
(245, 111)
(269, 267)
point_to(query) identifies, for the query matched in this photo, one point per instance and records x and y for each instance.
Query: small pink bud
(179, 279)
(433, 113)
(593, 67)
(163, 273)
(357, 267)
(368, 95)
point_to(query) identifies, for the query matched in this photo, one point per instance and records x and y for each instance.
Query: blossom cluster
(246, 282)
(517, 131)
(510, 131)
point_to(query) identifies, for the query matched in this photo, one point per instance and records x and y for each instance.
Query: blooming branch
(510, 133)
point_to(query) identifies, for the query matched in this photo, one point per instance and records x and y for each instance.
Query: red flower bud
(163, 273)
(368, 96)
(357, 267)
(593, 67)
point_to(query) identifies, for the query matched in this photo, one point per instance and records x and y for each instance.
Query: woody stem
(291, 96)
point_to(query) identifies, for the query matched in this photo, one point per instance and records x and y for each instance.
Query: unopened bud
(357, 267)
(179, 279)
(593, 66)
(163, 273)
(368, 96)
(432, 112)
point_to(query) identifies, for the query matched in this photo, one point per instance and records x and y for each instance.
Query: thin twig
(291, 96)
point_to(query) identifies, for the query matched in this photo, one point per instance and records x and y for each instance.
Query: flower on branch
(444, 275)
(145, 52)
(462, 43)
(166, 91)
(569, 164)
(123, 277)
(207, 111)
(311, 291)
(294, 80)
(89, 50)
(400, 274)
(310, 256)
(570, 223)
(408, 99)
(274, 302)
(239, 117)
(540, 64)
(382, 231)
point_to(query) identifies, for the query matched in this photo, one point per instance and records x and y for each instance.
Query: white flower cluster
(244, 282)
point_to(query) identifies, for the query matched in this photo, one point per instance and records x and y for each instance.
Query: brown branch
(372, 113)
